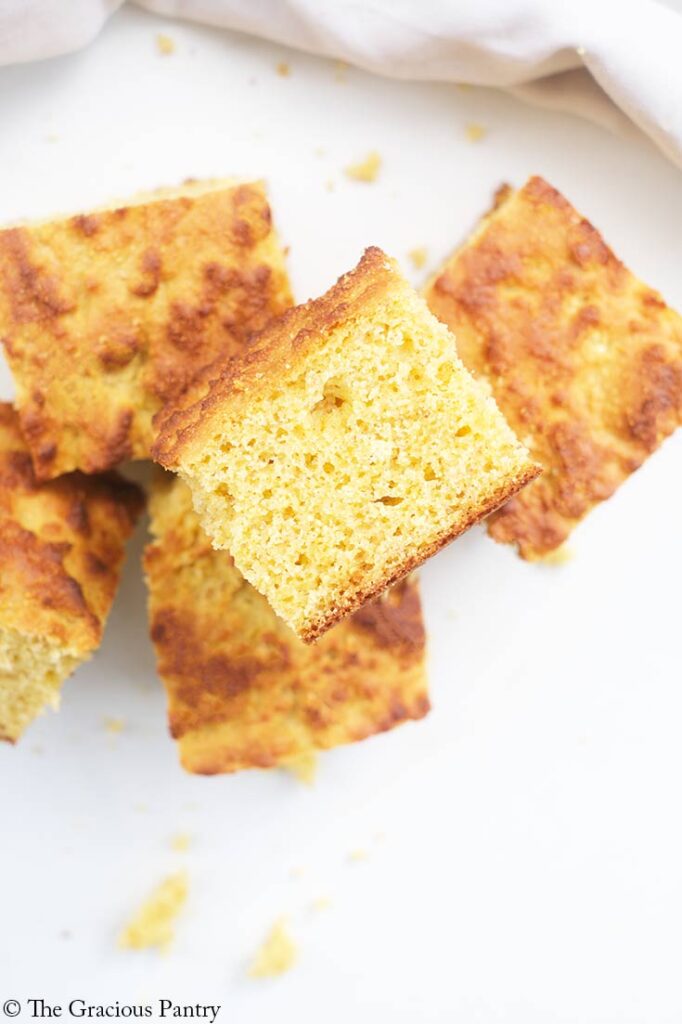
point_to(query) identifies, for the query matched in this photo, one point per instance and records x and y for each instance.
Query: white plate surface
(524, 843)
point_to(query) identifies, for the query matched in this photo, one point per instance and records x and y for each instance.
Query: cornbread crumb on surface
(303, 768)
(475, 132)
(153, 926)
(277, 955)
(358, 855)
(341, 70)
(349, 448)
(106, 315)
(61, 550)
(418, 256)
(181, 842)
(165, 44)
(243, 691)
(366, 170)
(283, 69)
(114, 726)
(321, 903)
(584, 360)
(560, 556)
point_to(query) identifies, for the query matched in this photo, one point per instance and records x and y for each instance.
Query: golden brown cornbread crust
(61, 545)
(284, 341)
(243, 691)
(61, 550)
(106, 316)
(584, 360)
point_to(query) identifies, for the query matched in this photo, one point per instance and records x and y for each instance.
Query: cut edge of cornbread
(318, 354)
(32, 671)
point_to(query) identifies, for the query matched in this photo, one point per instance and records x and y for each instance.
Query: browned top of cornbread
(106, 316)
(243, 691)
(283, 341)
(61, 546)
(584, 360)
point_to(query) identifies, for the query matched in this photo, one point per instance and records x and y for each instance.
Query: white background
(524, 845)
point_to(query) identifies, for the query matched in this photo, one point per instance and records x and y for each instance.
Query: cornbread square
(584, 360)
(105, 316)
(61, 549)
(346, 449)
(243, 691)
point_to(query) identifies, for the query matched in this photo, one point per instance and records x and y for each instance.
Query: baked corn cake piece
(61, 549)
(350, 446)
(243, 691)
(584, 360)
(106, 316)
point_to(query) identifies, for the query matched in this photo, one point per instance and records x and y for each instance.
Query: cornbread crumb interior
(345, 451)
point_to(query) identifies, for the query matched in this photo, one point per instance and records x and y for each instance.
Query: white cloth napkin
(617, 62)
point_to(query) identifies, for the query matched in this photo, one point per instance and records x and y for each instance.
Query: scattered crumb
(165, 45)
(581, 51)
(560, 556)
(277, 954)
(304, 768)
(340, 70)
(367, 170)
(283, 69)
(114, 725)
(475, 132)
(330, 185)
(321, 903)
(320, 151)
(463, 86)
(418, 256)
(356, 855)
(181, 842)
(297, 872)
(152, 925)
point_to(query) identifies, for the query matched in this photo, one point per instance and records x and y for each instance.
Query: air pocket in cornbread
(343, 452)
(61, 549)
(105, 316)
(243, 691)
(584, 360)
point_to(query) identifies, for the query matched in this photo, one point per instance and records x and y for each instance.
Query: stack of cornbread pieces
(313, 456)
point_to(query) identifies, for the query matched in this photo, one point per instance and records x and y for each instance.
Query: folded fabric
(613, 61)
